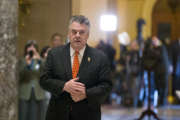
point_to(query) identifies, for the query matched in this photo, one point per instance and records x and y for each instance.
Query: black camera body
(31, 53)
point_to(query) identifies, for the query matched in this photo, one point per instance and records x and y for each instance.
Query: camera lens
(30, 54)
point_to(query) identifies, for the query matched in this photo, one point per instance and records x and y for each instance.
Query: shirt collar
(81, 52)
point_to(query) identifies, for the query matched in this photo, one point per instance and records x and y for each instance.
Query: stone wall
(8, 82)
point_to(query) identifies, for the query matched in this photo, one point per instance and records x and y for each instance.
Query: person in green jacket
(31, 95)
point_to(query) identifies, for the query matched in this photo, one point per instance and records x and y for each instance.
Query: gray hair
(80, 19)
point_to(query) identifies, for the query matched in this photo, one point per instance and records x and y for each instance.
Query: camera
(31, 53)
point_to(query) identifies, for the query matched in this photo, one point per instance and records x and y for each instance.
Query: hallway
(171, 112)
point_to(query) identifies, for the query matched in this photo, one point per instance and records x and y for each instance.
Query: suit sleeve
(47, 80)
(98, 93)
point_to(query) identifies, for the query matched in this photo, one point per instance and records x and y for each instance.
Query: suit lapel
(67, 61)
(85, 61)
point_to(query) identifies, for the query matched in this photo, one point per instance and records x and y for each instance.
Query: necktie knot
(76, 52)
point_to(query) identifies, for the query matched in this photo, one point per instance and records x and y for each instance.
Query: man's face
(134, 45)
(57, 41)
(155, 41)
(78, 35)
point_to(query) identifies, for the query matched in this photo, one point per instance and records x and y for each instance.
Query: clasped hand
(76, 89)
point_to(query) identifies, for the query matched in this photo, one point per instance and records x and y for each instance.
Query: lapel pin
(89, 59)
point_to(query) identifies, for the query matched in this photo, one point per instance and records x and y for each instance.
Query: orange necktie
(75, 67)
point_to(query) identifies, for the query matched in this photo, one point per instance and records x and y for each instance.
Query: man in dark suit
(77, 76)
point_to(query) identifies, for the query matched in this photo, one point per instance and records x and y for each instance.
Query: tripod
(148, 112)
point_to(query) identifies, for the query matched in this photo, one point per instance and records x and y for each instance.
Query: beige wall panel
(46, 17)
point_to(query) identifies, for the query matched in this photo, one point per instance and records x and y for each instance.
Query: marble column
(8, 81)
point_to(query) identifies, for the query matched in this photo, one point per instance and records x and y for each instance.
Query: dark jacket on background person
(29, 77)
(175, 61)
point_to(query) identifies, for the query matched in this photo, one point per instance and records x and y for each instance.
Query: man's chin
(77, 46)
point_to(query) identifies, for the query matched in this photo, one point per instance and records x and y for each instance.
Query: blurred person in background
(44, 51)
(122, 75)
(175, 60)
(56, 40)
(110, 52)
(133, 68)
(31, 95)
(155, 60)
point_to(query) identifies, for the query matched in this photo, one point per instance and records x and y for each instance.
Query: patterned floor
(119, 113)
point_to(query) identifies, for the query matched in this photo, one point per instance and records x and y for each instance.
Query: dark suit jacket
(94, 72)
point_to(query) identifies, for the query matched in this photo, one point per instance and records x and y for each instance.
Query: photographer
(155, 60)
(31, 95)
